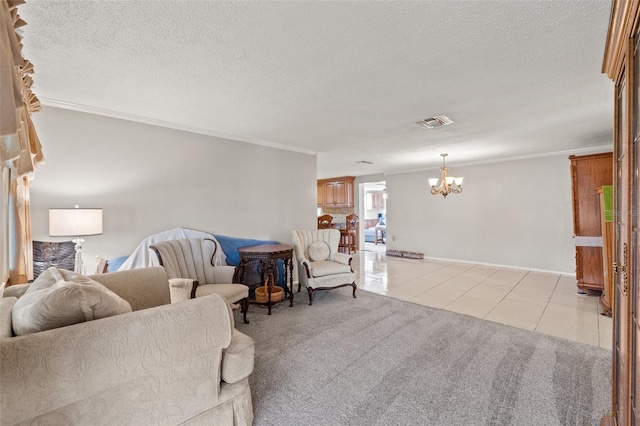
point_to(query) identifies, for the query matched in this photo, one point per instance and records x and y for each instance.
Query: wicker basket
(262, 293)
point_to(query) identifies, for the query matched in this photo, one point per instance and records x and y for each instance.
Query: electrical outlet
(393, 238)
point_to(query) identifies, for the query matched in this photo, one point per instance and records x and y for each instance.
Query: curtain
(20, 149)
(4, 224)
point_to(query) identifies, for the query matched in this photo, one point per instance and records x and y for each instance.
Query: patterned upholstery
(190, 265)
(58, 254)
(327, 274)
(157, 365)
(237, 363)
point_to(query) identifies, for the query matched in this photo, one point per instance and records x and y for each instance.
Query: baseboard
(497, 265)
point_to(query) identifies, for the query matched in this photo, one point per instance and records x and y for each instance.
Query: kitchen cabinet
(336, 192)
(375, 201)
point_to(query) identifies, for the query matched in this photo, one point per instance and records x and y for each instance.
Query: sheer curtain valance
(20, 149)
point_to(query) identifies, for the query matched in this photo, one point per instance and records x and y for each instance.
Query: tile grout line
(505, 296)
(547, 304)
(482, 281)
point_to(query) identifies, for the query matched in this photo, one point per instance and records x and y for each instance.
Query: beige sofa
(162, 364)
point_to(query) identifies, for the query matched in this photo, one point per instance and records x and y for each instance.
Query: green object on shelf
(607, 191)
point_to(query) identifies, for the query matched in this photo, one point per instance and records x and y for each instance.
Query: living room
(151, 173)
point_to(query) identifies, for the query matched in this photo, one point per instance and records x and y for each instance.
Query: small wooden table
(268, 255)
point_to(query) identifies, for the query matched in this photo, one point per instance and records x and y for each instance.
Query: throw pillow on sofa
(58, 298)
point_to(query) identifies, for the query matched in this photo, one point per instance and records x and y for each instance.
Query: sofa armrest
(131, 366)
(142, 287)
(237, 359)
(16, 290)
(182, 289)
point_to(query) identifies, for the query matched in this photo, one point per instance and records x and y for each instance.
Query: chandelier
(448, 184)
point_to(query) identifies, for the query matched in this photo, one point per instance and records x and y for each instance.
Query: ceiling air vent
(364, 162)
(437, 121)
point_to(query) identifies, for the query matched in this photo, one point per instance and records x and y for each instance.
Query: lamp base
(79, 266)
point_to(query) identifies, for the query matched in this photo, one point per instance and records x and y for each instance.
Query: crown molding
(578, 151)
(161, 123)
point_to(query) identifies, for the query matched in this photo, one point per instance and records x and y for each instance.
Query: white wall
(515, 213)
(149, 179)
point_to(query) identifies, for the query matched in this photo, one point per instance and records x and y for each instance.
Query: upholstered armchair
(320, 265)
(189, 263)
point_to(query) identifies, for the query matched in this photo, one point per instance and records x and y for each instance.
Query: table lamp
(76, 223)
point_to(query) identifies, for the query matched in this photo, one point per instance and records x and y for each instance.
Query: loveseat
(161, 364)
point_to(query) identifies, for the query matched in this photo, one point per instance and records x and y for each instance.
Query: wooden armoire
(588, 173)
(622, 64)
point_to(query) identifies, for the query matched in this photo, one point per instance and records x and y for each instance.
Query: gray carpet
(376, 360)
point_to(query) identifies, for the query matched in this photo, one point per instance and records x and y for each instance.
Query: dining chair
(324, 221)
(348, 236)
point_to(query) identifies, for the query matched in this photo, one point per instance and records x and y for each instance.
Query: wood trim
(620, 65)
(336, 179)
(624, 14)
(194, 288)
(157, 254)
(306, 268)
(590, 156)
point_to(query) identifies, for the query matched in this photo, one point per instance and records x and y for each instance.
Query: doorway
(373, 214)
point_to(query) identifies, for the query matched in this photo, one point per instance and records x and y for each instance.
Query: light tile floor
(542, 302)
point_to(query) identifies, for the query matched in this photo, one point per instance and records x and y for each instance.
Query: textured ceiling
(347, 80)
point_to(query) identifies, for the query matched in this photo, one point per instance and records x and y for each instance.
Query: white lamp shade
(450, 180)
(75, 222)
(433, 181)
(459, 181)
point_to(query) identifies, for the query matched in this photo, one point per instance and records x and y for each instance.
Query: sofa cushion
(58, 298)
(230, 292)
(237, 359)
(319, 251)
(6, 306)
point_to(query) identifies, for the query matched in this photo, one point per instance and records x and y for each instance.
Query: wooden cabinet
(375, 201)
(622, 65)
(321, 194)
(588, 173)
(336, 192)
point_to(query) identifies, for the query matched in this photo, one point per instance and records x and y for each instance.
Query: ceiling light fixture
(448, 184)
